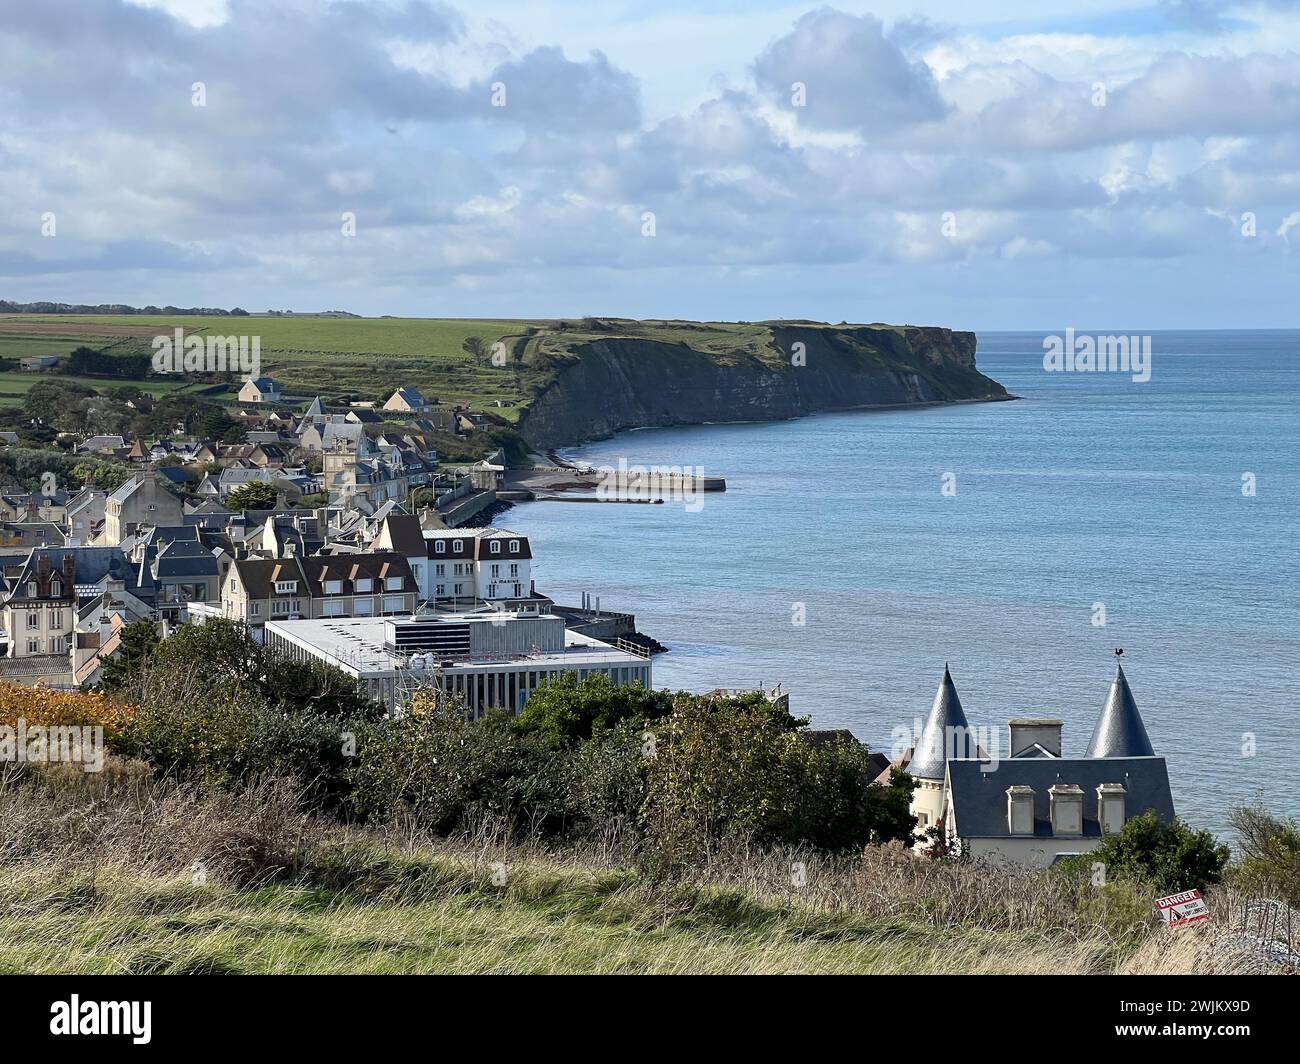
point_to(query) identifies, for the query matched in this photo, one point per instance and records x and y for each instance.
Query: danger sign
(1179, 910)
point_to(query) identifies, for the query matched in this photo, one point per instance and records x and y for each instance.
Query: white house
(487, 564)
(259, 390)
(408, 400)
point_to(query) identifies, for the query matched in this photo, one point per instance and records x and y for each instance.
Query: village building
(407, 400)
(259, 390)
(1032, 804)
(141, 501)
(258, 590)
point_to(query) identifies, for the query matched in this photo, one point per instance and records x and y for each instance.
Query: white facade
(479, 563)
(485, 659)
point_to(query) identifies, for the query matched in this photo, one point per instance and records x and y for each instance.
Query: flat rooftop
(356, 645)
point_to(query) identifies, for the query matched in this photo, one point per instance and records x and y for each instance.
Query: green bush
(1270, 855)
(733, 768)
(1168, 858)
(448, 773)
(566, 710)
(215, 706)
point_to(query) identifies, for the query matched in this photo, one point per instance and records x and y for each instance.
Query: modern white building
(487, 658)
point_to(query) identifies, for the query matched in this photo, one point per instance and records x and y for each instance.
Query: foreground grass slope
(445, 914)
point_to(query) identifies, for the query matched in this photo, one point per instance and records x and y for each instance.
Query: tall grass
(120, 873)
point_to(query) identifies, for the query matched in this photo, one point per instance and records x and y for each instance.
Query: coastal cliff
(606, 383)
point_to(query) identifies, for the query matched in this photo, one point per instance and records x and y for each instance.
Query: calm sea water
(1092, 490)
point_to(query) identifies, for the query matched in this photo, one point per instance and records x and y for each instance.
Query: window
(56, 588)
(460, 589)
(440, 590)
(56, 645)
(492, 591)
(518, 590)
(394, 604)
(56, 619)
(439, 570)
(494, 547)
(33, 646)
(31, 589)
(255, 608)
(514, 546)
(332, 608)
(364, 585)
(439, 546)
(363, 608)
(333, 587)
(33, 618)
(281, 606)
(496, 570)
(286, 587)
(456, 545)
(514, 570)
(394, 583)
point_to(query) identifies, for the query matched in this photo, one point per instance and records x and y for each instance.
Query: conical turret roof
(946, 734)
(317, 408)
(1120, 731)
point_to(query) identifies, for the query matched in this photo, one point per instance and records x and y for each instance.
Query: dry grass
(120, 874)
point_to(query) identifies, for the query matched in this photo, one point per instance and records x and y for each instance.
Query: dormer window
(514, 546)
(56, 588)
(456, 545)
(286, 587)
(439, 546)
(333, 587)
(495, 547)
(364, 585)
(31, 589)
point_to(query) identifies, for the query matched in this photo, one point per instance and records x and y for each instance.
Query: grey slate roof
(979, 799)
(946, 733)
(1120, 731)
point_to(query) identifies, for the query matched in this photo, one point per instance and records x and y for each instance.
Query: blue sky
(984, 165)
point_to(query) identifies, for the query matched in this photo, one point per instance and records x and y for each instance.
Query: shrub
(447, 773)
(732, 769)
(46, 708)
(1270, 854)
(566, 710)
(1168, 858)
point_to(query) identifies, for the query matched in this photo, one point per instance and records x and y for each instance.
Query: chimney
(1020, 810)
(1028, 732)
(43, 574)
(1066, 800)
(1110, 807)
(70, 573)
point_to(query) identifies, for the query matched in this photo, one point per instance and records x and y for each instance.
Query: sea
(854, 554)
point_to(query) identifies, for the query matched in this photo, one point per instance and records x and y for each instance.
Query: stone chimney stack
(70, 573)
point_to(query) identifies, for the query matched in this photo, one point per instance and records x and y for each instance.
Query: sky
(980, 164)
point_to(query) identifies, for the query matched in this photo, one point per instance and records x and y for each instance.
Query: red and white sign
(1179, 910)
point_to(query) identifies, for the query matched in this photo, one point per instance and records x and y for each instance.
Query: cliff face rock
(623, 382)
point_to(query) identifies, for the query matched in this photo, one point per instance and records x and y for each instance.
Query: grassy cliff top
(364, 357)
